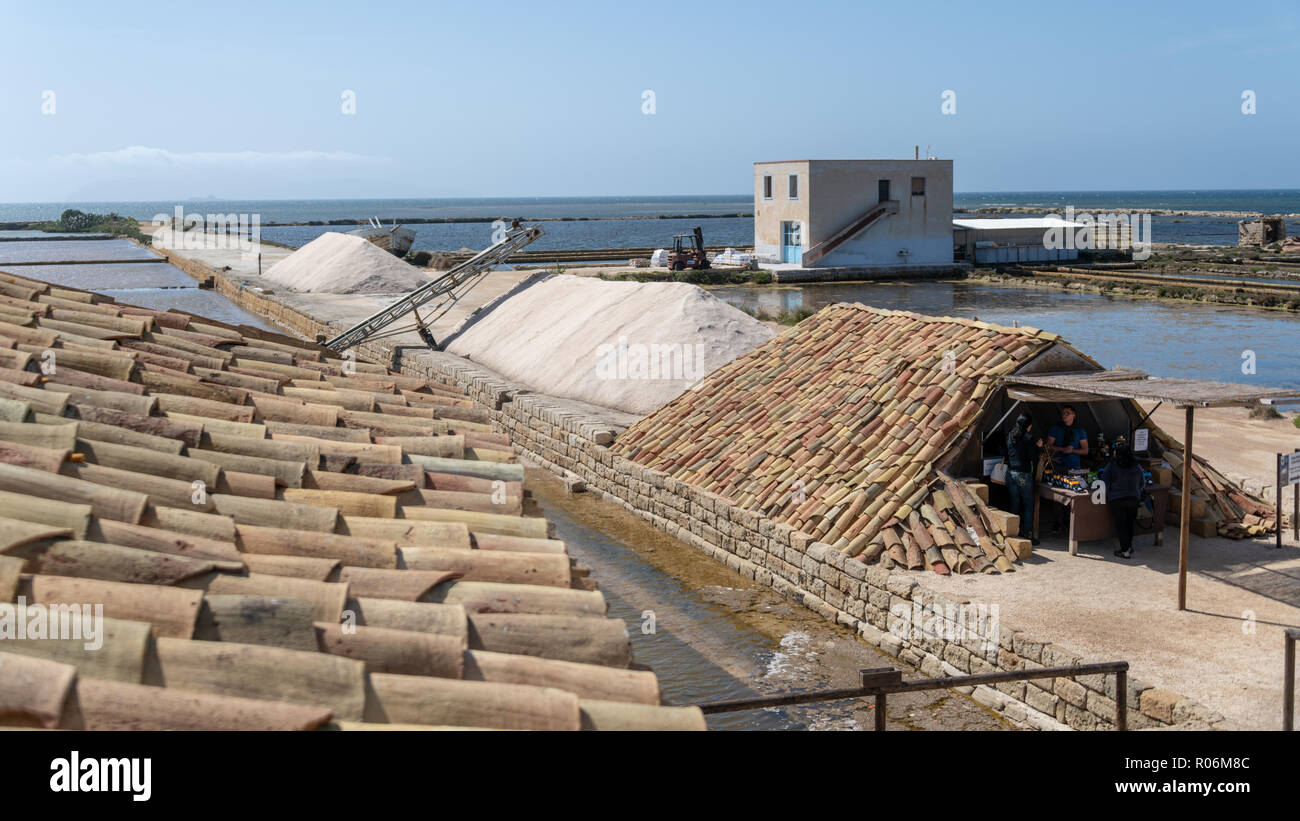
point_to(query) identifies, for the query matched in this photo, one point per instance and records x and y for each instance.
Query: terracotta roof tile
(187, 475)
(859, 404)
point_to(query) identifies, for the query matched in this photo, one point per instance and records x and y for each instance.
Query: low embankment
(1277, 295)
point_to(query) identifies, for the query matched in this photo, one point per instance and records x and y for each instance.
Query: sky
(248, 100)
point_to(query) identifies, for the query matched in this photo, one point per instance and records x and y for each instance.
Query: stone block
(1100, 706)
(1071, 691)
(819, 551)
(1080, 719)
(1054, 656)
(958, 657)
(855, 569)
(1015, 713)
(900, 585)
(877, 576)
(979, 665)
(890, 643)
(1015, 689)
(989, 697)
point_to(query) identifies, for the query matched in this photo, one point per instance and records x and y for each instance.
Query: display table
(1089, 521)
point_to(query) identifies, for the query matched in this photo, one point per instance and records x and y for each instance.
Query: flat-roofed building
(1017, 239)
(854, 213)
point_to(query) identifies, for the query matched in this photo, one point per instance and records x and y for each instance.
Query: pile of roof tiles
(1230, 511)
(279, 538)
(840, 426)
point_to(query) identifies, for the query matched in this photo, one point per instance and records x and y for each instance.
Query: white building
(854, 213)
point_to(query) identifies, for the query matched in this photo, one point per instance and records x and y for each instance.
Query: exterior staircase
(868, 218)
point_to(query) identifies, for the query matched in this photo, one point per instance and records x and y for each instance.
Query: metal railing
(879, 682)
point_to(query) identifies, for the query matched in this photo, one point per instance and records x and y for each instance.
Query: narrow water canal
(717, 635)
(146, 284)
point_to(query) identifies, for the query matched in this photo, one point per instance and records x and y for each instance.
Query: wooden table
(1089, 521)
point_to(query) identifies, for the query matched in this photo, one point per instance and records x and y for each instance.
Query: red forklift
(688, 252)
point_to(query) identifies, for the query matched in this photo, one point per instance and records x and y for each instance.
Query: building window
(918, 186)
(794, 187)
(767, 187)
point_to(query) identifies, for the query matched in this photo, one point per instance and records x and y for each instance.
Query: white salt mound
(335, 263)
(633, 346)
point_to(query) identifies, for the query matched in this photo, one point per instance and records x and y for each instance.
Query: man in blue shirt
(1067, 442)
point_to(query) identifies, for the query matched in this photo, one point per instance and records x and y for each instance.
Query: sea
(651, 222)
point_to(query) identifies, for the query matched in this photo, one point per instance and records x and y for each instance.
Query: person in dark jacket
(1022, 458)
(1124, 481)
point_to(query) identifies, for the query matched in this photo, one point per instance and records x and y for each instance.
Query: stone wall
(860, 597)
(566, 436)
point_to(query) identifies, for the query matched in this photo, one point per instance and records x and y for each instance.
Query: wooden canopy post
(1185, 511)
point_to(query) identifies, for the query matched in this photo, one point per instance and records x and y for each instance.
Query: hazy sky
(245, 100)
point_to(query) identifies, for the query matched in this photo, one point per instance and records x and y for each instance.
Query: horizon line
(208, 198)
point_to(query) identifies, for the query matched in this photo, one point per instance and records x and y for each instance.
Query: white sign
(1140, 440)
(1289, 471)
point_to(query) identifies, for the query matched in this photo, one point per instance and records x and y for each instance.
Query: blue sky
(243, 100)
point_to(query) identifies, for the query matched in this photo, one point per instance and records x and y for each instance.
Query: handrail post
(1121, 700)
(880, 712)
(1288, 681)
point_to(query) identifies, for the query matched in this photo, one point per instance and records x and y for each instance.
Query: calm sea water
(388, 210)
(656, 233)
(1187, 340)
(616, 233)
(1268, 201)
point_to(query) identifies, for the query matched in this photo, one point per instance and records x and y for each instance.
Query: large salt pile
(632, 346)
(335, 263)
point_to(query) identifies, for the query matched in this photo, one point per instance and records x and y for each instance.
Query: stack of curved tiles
(839, 427)
(279, 539)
